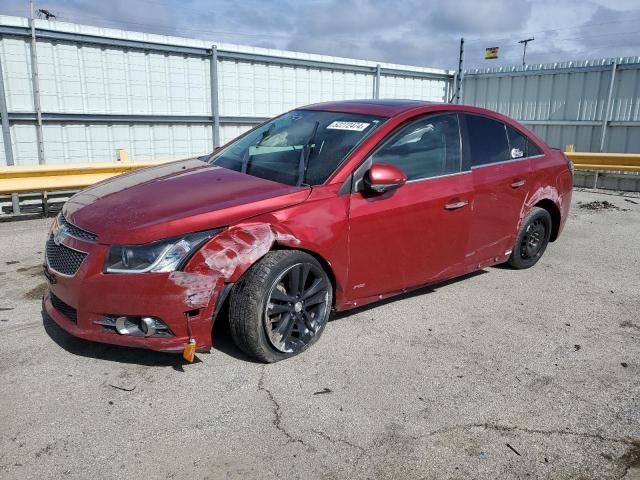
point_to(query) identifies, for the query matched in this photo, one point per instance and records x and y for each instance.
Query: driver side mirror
(384, 177)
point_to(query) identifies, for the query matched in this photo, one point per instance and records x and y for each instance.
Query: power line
(514, 35)
(85, 18)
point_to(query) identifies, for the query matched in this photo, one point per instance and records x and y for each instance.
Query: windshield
(302, 147)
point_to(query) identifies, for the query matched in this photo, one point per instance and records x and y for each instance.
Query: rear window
(488, 140)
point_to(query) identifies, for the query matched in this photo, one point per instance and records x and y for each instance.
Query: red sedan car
(327, 207)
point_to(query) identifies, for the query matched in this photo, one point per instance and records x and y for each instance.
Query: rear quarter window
(520, 145)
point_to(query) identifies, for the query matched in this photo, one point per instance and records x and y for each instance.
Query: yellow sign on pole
(491, 53)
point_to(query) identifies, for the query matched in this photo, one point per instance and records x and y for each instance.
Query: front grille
(67, 310)
(77, 232)
(63, 259)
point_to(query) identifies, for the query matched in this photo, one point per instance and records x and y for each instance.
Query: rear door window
(425, 148)
(488, 141)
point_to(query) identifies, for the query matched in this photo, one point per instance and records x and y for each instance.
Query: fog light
(135, 326)
(147, 326)
(124, 326)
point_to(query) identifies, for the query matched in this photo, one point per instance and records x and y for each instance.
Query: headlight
(161, 256)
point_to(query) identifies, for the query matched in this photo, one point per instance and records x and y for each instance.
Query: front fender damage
(222, 260)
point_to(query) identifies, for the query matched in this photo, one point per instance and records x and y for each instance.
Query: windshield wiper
(303, 160)
(246, 158)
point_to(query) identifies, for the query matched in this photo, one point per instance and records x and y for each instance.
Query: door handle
(456, 205)
(518, 183)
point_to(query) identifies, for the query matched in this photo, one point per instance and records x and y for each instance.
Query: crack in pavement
(357, 459)
(277, 411)
(630, 459)
(340, 440)
(513, 428)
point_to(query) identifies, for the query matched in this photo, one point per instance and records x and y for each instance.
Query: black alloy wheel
(281, 306)
(296, 308)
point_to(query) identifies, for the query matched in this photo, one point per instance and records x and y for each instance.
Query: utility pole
(35, 81)
(524, 48)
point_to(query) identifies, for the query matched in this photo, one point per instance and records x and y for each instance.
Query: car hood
(174, 199)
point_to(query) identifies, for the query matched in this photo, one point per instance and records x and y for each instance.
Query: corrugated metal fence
(594, 105)
(168, 97)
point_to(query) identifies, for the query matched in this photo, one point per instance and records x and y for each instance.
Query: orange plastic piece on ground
(189, 351)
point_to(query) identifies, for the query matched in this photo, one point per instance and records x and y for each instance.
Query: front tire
(280, 307)
(532, 239)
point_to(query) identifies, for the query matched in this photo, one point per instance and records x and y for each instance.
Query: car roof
(395, 107)
(383, 107)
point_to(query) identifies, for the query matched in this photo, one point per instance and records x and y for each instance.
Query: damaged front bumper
(134, 309)
(85, 307)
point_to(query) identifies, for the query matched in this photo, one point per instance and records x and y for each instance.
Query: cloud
(414, 32)
(472, 17)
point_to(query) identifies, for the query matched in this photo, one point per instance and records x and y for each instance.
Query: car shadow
(503, 266)
(113, 353)
(222, 340)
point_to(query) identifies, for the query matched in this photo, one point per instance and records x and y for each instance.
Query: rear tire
(532, 239)
(280, 307)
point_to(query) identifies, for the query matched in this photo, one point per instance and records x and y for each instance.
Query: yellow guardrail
(48, 178)
(612, 162)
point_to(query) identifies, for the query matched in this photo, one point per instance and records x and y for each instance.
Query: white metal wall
(84, 79)
(82, 142)
(567, 102)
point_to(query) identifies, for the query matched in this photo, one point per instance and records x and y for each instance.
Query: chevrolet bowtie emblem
(60, 234)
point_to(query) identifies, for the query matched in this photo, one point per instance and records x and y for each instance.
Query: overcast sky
(414, 32)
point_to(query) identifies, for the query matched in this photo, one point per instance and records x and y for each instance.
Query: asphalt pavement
(501, 374)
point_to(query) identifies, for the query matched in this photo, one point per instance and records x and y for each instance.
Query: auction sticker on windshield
(352, 126)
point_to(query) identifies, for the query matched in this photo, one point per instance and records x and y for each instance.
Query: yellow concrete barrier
(612, 162)
(73, 176)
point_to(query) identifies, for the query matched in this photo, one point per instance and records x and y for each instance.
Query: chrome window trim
(416, 180)
(473, 167)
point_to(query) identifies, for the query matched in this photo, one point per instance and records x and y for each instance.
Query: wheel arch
(554, 211)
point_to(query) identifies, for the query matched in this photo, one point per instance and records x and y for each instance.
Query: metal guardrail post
(35, 82)
(122, 155)
(606, 114)
(215, 106)
(6, 138)
(376, 83)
